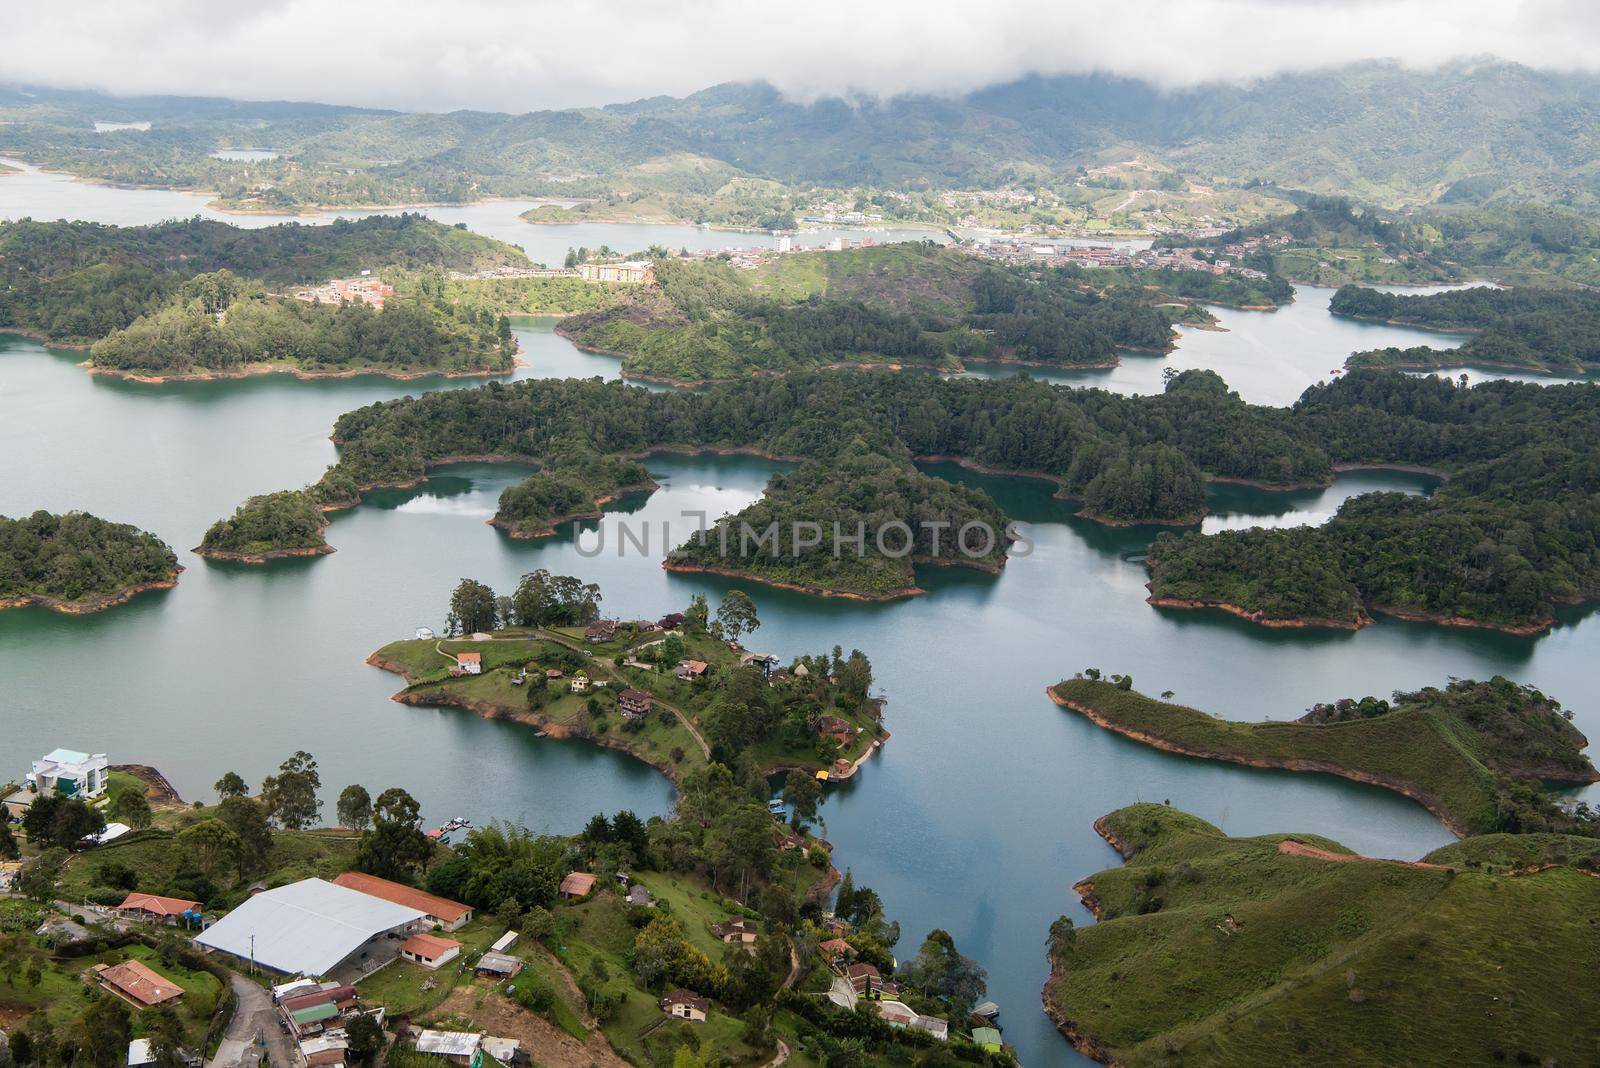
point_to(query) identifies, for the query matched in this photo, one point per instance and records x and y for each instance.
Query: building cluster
(363, 290)
(858, 983)
(1018, 250)
(640, 272)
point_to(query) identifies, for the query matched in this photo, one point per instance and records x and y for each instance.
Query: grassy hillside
(1230, 951)
(1472, 752)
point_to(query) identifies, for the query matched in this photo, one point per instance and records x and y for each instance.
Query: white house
(470, 663)
(69, 772)
(424, 634)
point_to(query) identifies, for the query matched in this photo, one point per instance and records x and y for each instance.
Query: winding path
(600, 665)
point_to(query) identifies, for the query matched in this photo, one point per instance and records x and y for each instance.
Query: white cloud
(517, 55)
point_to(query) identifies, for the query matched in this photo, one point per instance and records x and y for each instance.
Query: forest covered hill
(1466, 132)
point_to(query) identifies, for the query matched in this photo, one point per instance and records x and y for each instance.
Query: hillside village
(246, 930)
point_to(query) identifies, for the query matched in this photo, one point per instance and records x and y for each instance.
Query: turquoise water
(976, 815)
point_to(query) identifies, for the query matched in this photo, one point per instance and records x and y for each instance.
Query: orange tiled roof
(441, 908)
(160, 906)
(138, 984)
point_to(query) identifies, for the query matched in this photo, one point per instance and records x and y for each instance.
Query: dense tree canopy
(77, 557)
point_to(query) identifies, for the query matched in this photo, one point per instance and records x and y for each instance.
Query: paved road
(253, 1017)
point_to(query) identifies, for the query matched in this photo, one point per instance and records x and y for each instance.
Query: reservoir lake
(975, 817)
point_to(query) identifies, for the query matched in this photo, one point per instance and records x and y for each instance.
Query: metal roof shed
(306, 928)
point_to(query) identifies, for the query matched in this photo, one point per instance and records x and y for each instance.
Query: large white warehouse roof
(305, 928)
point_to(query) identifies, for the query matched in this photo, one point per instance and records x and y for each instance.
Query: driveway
(254, 1017)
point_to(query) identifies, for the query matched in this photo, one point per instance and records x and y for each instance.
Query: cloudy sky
(518, 55)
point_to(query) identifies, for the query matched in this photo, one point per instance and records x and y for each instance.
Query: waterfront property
(71, 773)
(468, 664)
(635, 704)
(441, 912)
(313, 927)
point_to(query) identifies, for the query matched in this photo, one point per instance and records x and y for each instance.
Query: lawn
(64, 992)
(404, 987)
(1448, 748)
(1219, 951)
(154, 857)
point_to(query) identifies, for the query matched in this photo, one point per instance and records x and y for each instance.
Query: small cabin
(685, 1005)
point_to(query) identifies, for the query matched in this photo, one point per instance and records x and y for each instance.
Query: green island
(269, 527)
(1475, 754)
(1284, 949)
(720, 906)
(201, 298)
(798, 535)
(1101, 447)
(676, 693)
(78, 563)
(1501, 544)
(1549, 331)
(574, 483)
(906, 304)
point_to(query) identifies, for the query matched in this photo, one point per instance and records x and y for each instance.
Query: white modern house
(69, 772)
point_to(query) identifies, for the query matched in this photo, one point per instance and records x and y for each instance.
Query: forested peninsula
(902, 305)
(78, 563)
(854, 525)
(220, 325)
(1291, 949)
(75, 283)
(1475, 754)
(574, 483)
(1514, 532)
(1548, 331)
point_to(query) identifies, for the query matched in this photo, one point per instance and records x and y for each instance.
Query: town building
(441, 912)
(314, 927)
(318, 1011)
(685, 1005)
(632, 271)
(429, 950)
(71, 774)
(158, 909)
(364, 290)
(136, 984)
(635, 704)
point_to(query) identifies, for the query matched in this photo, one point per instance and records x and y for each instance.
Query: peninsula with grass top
(78, 563)
(1475, 754)
(1291, 949)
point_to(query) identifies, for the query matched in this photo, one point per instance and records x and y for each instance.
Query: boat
(988, 1010)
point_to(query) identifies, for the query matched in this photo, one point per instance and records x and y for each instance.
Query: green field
(1220, 951)
(1453, 750)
